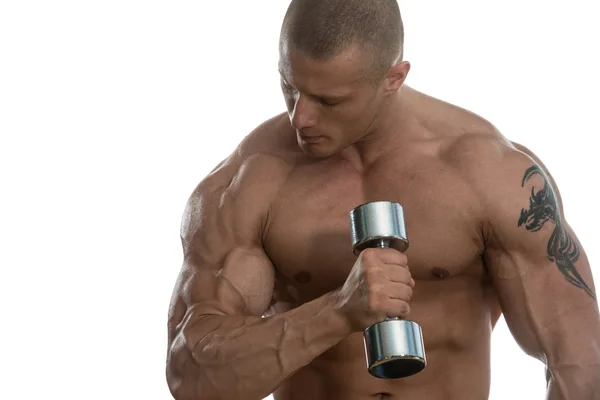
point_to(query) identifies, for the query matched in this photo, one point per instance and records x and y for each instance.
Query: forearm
(248, 357)
(573, 382)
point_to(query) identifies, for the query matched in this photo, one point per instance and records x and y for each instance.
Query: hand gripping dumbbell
(394, 347)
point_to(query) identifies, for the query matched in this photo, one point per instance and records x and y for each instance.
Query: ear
(396, 77)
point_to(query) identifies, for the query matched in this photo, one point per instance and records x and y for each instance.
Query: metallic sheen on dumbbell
(394, 347)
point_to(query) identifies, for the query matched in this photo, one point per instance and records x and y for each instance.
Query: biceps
(545, 287)
(242, 284)
(245, 284)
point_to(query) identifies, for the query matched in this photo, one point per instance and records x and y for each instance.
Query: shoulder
(241, 187)
(473, 149)
(505, 176)
(472, 145)
(485, 155)
(467, 141)
(263, 152)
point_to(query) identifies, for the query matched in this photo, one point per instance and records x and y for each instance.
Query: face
(331, 104)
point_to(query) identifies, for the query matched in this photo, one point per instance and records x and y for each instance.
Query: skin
(270, 298)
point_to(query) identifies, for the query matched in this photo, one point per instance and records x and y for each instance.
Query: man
(271, 299)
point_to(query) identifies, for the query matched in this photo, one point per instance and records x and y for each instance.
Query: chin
(317, 151)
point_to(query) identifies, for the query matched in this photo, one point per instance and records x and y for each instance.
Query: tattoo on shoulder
(562, 249)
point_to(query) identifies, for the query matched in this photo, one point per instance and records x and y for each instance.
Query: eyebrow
(333, 97)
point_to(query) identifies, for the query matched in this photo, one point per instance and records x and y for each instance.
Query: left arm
(541, 273)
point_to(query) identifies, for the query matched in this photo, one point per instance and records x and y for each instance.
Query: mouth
(311, 138)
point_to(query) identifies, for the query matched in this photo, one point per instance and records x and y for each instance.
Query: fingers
(394, 273)
(396, 308)
(387, 256)
(389, 306)
(390, 263)
(384, 291)
(398, 291)
(390, 284)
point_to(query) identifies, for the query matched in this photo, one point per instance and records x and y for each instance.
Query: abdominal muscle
(456, 316)
(341, 374)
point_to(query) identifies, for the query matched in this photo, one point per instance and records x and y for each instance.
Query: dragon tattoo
(562, 249)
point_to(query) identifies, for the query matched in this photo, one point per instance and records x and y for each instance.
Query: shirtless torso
(307, 239)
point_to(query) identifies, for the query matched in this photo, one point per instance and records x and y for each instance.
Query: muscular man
(271, 299)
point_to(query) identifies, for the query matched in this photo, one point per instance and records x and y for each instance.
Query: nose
(304, 114)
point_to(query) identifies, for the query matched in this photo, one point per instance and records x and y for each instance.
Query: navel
(303, 277)
(440, 273)
(381, 396)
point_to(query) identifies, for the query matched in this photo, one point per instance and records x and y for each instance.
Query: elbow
(189, 387)
(178, 385)
(177, 389)
(194, 370)
(185, 378)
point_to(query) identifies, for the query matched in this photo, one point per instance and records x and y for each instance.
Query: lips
(311, 138)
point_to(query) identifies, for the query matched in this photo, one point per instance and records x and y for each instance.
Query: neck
(392, 127)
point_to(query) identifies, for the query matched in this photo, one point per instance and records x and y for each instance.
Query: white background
(111, 112)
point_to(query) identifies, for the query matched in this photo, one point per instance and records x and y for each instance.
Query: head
(341, 66)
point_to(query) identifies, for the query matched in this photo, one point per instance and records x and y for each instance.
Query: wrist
(339, 314)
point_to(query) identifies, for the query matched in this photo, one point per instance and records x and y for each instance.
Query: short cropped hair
(324, 28)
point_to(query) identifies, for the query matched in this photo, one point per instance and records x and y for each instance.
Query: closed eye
(328, 103)
(325, 102)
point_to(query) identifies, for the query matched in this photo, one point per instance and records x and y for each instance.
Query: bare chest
(308, 231)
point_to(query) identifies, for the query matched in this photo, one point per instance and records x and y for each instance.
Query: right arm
(220, 346)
